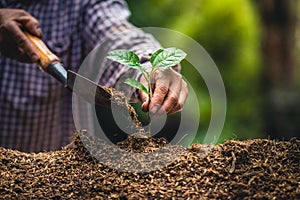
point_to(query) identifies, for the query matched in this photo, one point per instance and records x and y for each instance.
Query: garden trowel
(85, 88)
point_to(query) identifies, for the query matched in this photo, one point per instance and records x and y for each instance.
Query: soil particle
(253, 169)
(120, 99)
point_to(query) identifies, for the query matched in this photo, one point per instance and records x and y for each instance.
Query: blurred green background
(255, 46)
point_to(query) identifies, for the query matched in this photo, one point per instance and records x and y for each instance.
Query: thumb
(145, 101)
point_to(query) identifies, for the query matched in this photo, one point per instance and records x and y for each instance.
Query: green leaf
(154, 55)
(168, 58)
(125, 57)
(136, 84)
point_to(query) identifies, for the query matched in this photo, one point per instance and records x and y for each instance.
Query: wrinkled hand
(169, 93)
(13, 42)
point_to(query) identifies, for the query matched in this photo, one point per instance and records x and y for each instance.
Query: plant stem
(149, 88)
(147, 77)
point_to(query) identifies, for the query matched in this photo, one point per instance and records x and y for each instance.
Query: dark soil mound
(254, 169)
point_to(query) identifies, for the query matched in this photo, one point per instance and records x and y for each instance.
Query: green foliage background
(229, 31)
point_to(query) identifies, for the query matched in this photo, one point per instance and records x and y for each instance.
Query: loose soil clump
(121, 101)
(253, 169)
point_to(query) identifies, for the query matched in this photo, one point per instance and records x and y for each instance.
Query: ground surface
(254, 169)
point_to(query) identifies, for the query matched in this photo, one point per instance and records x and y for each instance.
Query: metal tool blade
(88, 90)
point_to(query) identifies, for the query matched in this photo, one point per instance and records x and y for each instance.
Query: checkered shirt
(35, 109)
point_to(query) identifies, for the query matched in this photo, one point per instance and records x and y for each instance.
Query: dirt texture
(253, 169)
(121, 101)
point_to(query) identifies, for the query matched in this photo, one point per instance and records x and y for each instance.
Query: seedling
(161, 59)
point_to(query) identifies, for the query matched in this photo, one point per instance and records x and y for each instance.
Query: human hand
(13, 42)
(168, 95)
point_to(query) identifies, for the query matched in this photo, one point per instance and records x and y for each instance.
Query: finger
(178, 107)
(160, 92)
(145, 101)
(182, 99)
(21, 56)
(22, 41)
(144, 96)
(172, 98)
(31, 24)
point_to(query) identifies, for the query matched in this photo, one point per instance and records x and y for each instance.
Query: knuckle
(17, 12)
(155, 101)
(22, 12)
(8, 24)
(172, 102)
(163, 89)
(168, 109)
(173, 99)
(21, 41)
(179, 76)
(176, 74)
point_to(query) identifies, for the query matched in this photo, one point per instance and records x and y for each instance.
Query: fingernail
(144, 107)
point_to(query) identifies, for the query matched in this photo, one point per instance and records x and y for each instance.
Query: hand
(168, 95)
(13, 42)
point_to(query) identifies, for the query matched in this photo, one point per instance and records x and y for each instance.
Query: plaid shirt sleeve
(35, 110)
(107, 21)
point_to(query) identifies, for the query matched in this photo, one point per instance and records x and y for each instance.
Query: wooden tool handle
(45, 55)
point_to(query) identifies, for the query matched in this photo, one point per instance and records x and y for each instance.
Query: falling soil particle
(120, 99)
(254, 169)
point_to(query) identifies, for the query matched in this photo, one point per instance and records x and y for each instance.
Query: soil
(119, 98)
(253, 169)
(142, 167)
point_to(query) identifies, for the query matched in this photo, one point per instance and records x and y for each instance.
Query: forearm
(107, 25)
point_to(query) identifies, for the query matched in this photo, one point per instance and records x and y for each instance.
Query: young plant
(161, 59)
